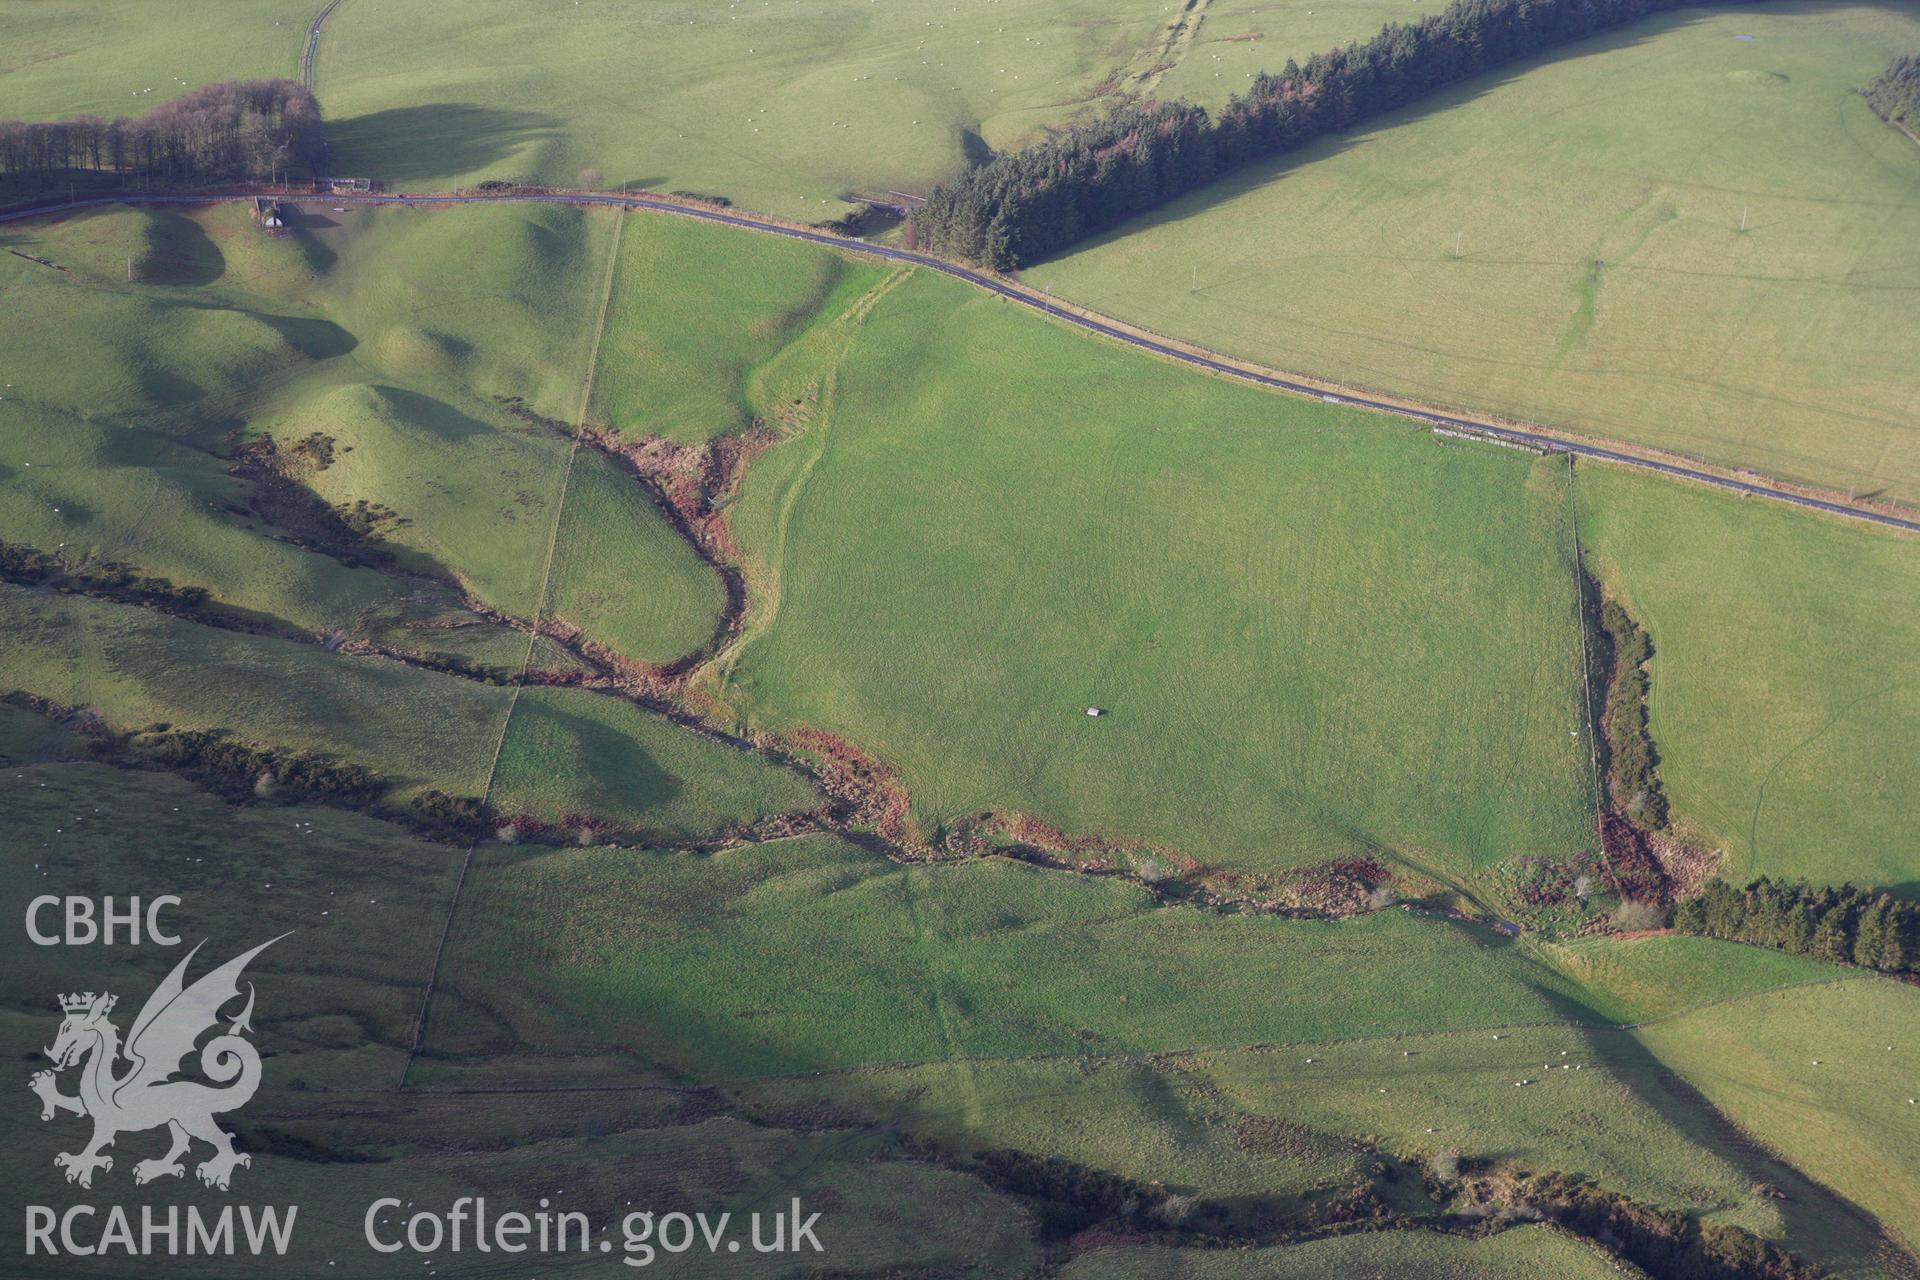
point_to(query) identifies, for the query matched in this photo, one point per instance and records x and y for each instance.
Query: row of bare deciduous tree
(239, 130)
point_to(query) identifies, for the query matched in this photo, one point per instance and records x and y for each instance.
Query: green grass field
(1826, 1077)
(622, 574)
(697, 966)
(697, 311)
(358, 895)
(1288, 1121)
(709, 967)
(602, 964)
(573, 752)
(568, 752)
(121, 57)
(366, 332)
(1783, 699)
(139, 668)
(586, 966)
(1562, 242)
(1307, 642)
(109, 432)
(1638, 979)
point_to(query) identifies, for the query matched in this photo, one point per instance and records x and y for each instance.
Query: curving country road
(313, 43)
(993, 284)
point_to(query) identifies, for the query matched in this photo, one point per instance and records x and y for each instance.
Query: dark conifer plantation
(1844, 925)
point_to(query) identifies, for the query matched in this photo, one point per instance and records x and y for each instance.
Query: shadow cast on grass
(178, 252)
(406, 144)
(1810, 1210)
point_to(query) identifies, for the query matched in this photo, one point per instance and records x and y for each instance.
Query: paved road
(1512, 435)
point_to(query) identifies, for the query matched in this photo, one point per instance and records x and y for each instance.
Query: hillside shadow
(299, 223)
(178, 252)
(404, 144)
(1809, 1211)
(615, 765)
(311, 336)
(435, 416)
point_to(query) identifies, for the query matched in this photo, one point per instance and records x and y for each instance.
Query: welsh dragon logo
(145, 1094)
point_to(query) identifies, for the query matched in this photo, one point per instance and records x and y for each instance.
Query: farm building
(343, 186)
(267, 212)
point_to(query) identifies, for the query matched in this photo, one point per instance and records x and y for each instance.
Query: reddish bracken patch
(1541, 881)
(1343, 887)
(1043, 836)
(870, 790)
(692, 481)
(1685, 866)
(1636, 873)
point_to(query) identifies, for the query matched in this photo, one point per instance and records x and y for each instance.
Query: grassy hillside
(631, 965)
(1315, 634)
(774, 107)
(1310, 642)
(1826, 1077)
(360, 897)
(139, 668)
(622, 574)
(337, 999)
(1692, 234)
(808, 974)
(567, 960)
(712, 967)
(400, 374)
(568, 752)
(1637, 979)
(119, 57)
(491, 301)
(1525, 1251)
(1288, 1119)
(696, 310)
(1782, 701)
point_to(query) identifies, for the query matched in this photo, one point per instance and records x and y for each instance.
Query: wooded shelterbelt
(1844, 925)
(1895, 92)
(239, 130)
(1023, 205)
(1630, 753)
